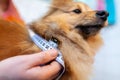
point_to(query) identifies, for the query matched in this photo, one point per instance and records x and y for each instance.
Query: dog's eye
(55, 40)
(78, 11)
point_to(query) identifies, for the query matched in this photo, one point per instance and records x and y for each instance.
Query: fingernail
(53, 52)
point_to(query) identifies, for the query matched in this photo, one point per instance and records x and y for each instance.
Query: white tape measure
(45, 45)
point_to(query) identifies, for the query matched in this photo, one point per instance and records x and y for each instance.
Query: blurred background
(107, 60)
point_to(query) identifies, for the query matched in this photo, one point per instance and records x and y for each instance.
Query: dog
(74, 26)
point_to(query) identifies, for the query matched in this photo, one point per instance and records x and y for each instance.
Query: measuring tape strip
(45, 45)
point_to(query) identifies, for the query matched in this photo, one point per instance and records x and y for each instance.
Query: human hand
(27, 67)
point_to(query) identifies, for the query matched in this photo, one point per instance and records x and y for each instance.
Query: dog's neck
(77, 60)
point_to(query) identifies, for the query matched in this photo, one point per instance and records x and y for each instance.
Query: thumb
(42, 57)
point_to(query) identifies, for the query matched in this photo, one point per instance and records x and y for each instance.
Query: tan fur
(78, 51)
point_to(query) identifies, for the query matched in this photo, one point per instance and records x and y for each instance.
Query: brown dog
(73, 26)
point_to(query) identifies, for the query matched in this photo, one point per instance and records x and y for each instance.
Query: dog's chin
(89, 30)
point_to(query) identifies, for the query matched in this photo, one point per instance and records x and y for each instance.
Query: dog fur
(77, 42)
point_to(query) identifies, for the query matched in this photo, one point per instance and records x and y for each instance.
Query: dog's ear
(59, 3)
(56, 4)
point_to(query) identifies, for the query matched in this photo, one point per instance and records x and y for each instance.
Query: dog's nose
(102, 15)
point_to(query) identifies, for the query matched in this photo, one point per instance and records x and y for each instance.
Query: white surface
(107, 61)
(107, 64)
(31, 9)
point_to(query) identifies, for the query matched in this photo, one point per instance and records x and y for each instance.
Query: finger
(46, 72)
(52, 70)
(42, 57)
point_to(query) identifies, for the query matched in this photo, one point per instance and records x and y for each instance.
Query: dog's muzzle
(102, 15)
